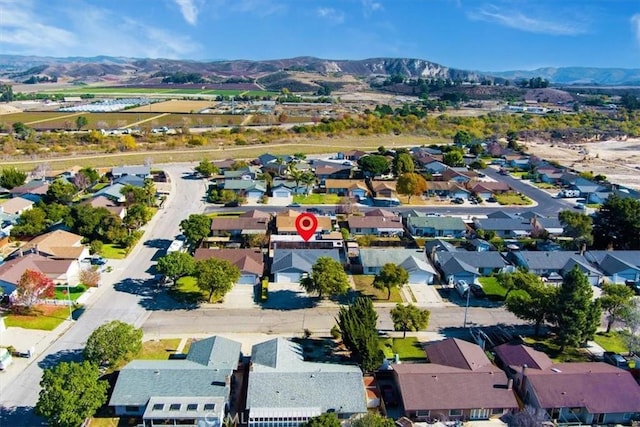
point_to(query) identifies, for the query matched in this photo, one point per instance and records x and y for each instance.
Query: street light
(69, 297)
(466, 309)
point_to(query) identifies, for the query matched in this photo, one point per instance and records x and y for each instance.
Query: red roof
(247, 260)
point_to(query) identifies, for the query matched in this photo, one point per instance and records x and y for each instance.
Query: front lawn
(158, 349)
(364, 286)
(113, 251)
(493, 289)
(548, 345)
(408, 349)
(317, 199)
(74, 291)
(513, 199)
(44, 317)
(613, 341)
(546, 186)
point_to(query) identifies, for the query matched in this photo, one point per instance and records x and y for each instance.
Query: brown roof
(286, 221)
(15, 205)
(596, 386)
(58, 244)
(450, 173)
(374, 222)
(254, 213)
(346, 183)
(490, 186)
(100, 202)
(457, 353)
(429, 386)
(381, 212)
(247, 260)
(383, 185)
(32, 187)
(518, 355)
(239, 223)
(12, 270)
(330, 169)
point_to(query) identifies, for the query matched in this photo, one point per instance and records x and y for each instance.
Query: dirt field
(174, 106)
(619, 161)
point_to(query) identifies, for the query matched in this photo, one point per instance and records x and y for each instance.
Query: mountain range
(141, 70)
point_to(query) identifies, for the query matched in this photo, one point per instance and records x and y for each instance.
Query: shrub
(335, 332)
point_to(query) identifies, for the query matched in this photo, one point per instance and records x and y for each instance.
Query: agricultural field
(173, 106)
(162, 91)
(61, 120)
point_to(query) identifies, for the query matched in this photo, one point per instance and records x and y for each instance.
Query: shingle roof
(488, 259)
(612, 264)
(239, 223)
(546, 260)
(454, 266)
(502, 224)
(247, 260)
(15, 205)
(379, 257)
(596, 386)
(58, 244)
(131, 170)
(457, 353)
(280, 378)
(12, 270)
(245, 184)
(286, 222)
(518, 355)
(379, 222)
(217, 352)
(437, 222)
(299, 259)
(439, 245)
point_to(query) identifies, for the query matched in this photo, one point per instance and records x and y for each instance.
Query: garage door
(287, 277)
(247, 279)
(420, 279)
(281, 194)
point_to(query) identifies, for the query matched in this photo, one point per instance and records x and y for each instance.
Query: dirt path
(53, 118)
(145, 120)
(246, 120)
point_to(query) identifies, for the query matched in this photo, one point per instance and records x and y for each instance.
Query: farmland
(158, 91)
(173, 106)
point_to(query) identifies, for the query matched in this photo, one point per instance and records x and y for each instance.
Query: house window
(455, 412)
(174, 407)
(158, 406)
(422, 414)
(209, 406)
(131, 408)
(479, 414)
(497, 411)
(192, 407)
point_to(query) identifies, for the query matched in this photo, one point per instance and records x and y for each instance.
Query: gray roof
(380, 257)
(550, 223)
(630, 257)
(299, 259)
(203, 374)
(245, 184)
(500, 214)
(611, 264)
(454, 266)
(437, 222)
(131, 170)
(280, 378)
(134, 180)
(488, 259)
(547, 260)
(503, 224)
(112, 191)
(439, 245)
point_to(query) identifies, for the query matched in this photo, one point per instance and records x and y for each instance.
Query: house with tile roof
(572, 393)
(249, 261)
(413, 260)
(458, 383)
(436, 226)
(289, 265)
(184, 391)
(284, 389)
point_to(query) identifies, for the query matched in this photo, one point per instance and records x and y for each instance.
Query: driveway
(426, 295)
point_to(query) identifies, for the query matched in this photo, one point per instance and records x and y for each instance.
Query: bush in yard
(112, 343)
(90, 276)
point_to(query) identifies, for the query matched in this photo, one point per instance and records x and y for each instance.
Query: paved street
(122, 301)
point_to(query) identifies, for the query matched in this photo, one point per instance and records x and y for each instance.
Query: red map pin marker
(306, 225)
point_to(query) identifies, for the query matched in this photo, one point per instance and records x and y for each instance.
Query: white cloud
(370, 6)
(189, 10)
(520, 21)
(330, 14)
(635, 22)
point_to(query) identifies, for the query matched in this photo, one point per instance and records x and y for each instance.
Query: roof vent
(555, 370)
(157, 372)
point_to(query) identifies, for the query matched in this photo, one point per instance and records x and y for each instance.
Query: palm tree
(308, 178)
(295, 174)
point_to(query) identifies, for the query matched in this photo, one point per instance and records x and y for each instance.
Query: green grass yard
(74, 291)
(613, 341)
(409, 349)
(364, 285)
(317, 199)
(547, 345)
(113, 251)
(513, 199)
(493, 289)
(47, 318)
(158, 349)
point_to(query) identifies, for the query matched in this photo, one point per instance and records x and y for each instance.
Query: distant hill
(578, 75)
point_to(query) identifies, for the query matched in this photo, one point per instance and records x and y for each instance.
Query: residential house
(458, 383)
(7, 221)
(61, 271)
(586, 187)
(576, 393)
(436, 226)
(192, 391)
(107, 203)
(384, 189)
(549, 263)
(16, 206)
(447, 189)
(326, 170)
(250, 222)
(286, 189)
(438, 245)
(435, 167)
(505, 227)
(246, 187)
(247, 173)
(617, 266)
(113, 192)
(59, 244)
(378, 222)
(143, 172)
(132, 180)
(468, 265)
(551, 226)
(413, 260)
(284, 389)
(286, 223)
(458, 175)
(289, 265)
(550, 175)
(480, 245)
(517, 161)
(347, 187)
(249, 261)
(569, 179)
(353, 155)
(486, 190)
(35, 187)
(267, 158)
(223, 165)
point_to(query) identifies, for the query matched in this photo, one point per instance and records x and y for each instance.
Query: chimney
(37, 250)
(583, 249)
(510, 384)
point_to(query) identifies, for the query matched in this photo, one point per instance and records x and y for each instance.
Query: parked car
(615, 359)
(462, 287)
(389, 395)
(492, 199)
(457, 201)
(97, 260)
(635, 286)
(477, 290)
(293, 205)
(232, 204)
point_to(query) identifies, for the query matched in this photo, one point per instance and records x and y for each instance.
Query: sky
(491, 35)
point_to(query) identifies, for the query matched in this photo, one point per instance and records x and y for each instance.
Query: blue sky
(491, 35)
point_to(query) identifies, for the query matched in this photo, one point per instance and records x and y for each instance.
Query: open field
(173, 106)
(129, 91)
(619, 161)
(64, 120)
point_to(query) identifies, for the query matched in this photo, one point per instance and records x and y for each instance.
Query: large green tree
(462, 137)
(70, 393)
(112, 343)
(402, 162)
(615, 302)
(206, 168)
(175, 265)
(81, 121)
(358, 328)
(329, 419)
(137, 216)
(373, 165)
(453, 158)
(411, 184)
(536, 302)
(391, 276)
(30, 223)
(577, 225)
(577, 315)
(517, 280)
(61, 191)
(216, 276)
(12, 177)
(195, 228)
(617, 223)
(327, 278)
(409, 318)
(373, 419)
